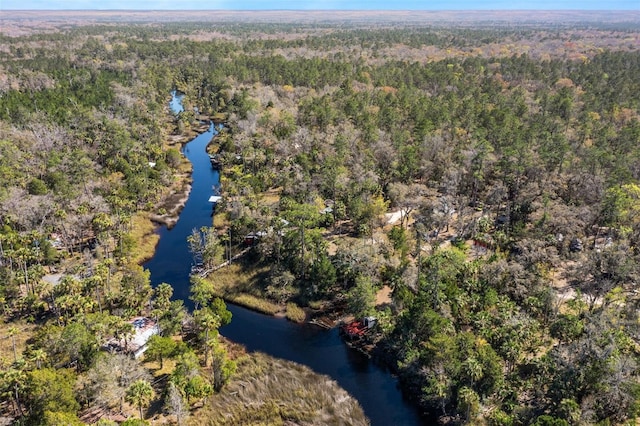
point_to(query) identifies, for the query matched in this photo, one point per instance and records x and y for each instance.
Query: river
(322, 350)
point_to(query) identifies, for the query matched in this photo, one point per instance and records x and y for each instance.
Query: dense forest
(487, 177)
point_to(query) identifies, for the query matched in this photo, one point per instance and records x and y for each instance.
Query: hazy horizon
(325, 5)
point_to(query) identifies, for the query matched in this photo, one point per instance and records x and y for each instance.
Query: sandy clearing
(383, 296)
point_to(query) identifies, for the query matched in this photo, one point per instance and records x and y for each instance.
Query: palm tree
(123, 330)
(209, 322)
(12, 333)
(469, 401)
(140, 393)
(473, 370)
(38, 356)
(13, 381)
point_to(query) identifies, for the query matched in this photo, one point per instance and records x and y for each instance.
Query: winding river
(322, 350)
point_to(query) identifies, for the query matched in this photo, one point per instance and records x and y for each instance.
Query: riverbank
(168, 208)
(239, 283)
(242, 283)
(316, 347)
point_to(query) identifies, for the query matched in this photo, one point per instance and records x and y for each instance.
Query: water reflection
(322, 350)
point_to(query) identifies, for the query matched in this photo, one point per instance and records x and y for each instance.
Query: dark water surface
(172, 260)
(322, 350)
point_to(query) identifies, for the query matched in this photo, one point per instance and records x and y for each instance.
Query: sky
(319, 4)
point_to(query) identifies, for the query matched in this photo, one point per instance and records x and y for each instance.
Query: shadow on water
(322, 350)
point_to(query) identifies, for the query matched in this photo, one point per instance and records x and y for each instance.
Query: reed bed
(269, 391)
(146, 239)
(295, 313)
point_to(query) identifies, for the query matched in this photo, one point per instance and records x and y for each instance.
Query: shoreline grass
(270, 391)
(240, 284)
(143, 232)
(236, 278)
(295, 313)
(253, 303)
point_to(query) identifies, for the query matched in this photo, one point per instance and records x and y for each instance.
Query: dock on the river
(216, 164)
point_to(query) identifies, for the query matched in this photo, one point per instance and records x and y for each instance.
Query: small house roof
(143, 329)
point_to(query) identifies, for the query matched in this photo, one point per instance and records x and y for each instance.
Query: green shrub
(37, 187)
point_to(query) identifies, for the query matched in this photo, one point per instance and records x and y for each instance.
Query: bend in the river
(322, 350)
